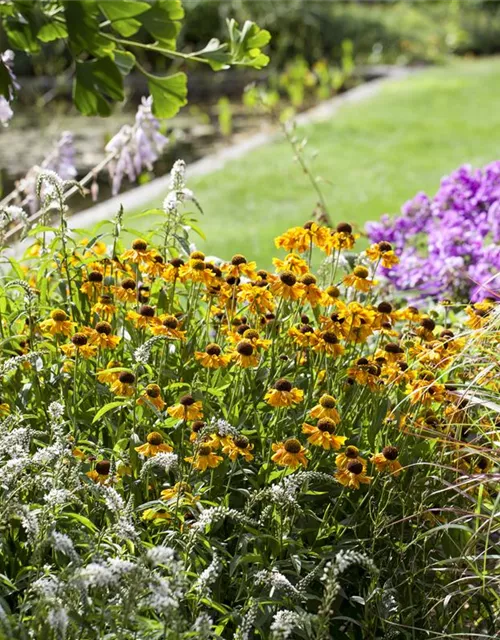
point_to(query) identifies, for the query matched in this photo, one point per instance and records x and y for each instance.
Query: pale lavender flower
(136, 148)
(6, 113)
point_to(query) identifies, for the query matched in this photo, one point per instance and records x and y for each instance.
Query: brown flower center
(126, 377)
(170, 322)
(292, 445)
(197, 255)
(128, 284)
(384, 307)
(103, 327)
(351, 452)
(197, 426)
(344, 227)
(333, 291)
(58, 315)
(204, 450)
(79, 339)
(329, 337)
(327, 402)
(244, 348)
(95, 276)
(355, 467)
(283, 385)
(241, 442)
(139, 245)
(146, 311)
(390, 453)
(176, 262)
(213, 350)
(428, 324)
(308, 279)
(326, 424)
(238, 259)
(153, 390)
(187, 400)
(361, 272)
(103, 467)
(288, 278)
(155, 438)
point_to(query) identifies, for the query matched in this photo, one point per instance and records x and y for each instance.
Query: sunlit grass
(372, 156)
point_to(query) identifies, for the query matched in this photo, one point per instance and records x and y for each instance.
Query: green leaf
(52, 31)
(125, 61)
(121, 15)
(22, 35)
(162, 21)
(245, 45)
(107, 407)
(94, 82)
(82, 20)
(169, 94)
(81, 519)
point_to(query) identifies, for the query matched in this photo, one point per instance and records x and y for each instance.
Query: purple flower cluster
(448, 246)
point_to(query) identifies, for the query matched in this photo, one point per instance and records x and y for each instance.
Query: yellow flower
(124, 385)
(196, 270)
(240, 267)
(204, 458)
(289, 453)
(172, 269)
(331, 296)
(353, 475)
(4, 408)
(93, 284)
(153, 445)
(351, 454)
(323, 434)
(138, 254)
(311, 292)
(109, 377)
(79, 344)
(382, 251)
(245, 354)
(327, 342)
(283, 394)
(326, 409)
(145, 318)
(303, 335)
(156, 515)
(287, 287)
(186, 409)
(293, 263)
(258, 297)
(168, 327)
(238, 445)
(341, 238)
(126, 291)
(152, 395)
(105, 306)
(387, 460)
(425, 390)
(359, 279)
(301, 239)
(212, 357)
(181, 489)
(58, 322)
(102, 336)
(100, 474)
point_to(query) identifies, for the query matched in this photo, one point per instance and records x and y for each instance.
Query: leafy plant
(103, 38)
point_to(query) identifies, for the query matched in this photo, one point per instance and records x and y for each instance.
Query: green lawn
(372, 156)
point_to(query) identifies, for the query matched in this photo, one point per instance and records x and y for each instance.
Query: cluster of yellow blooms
(249, 331)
